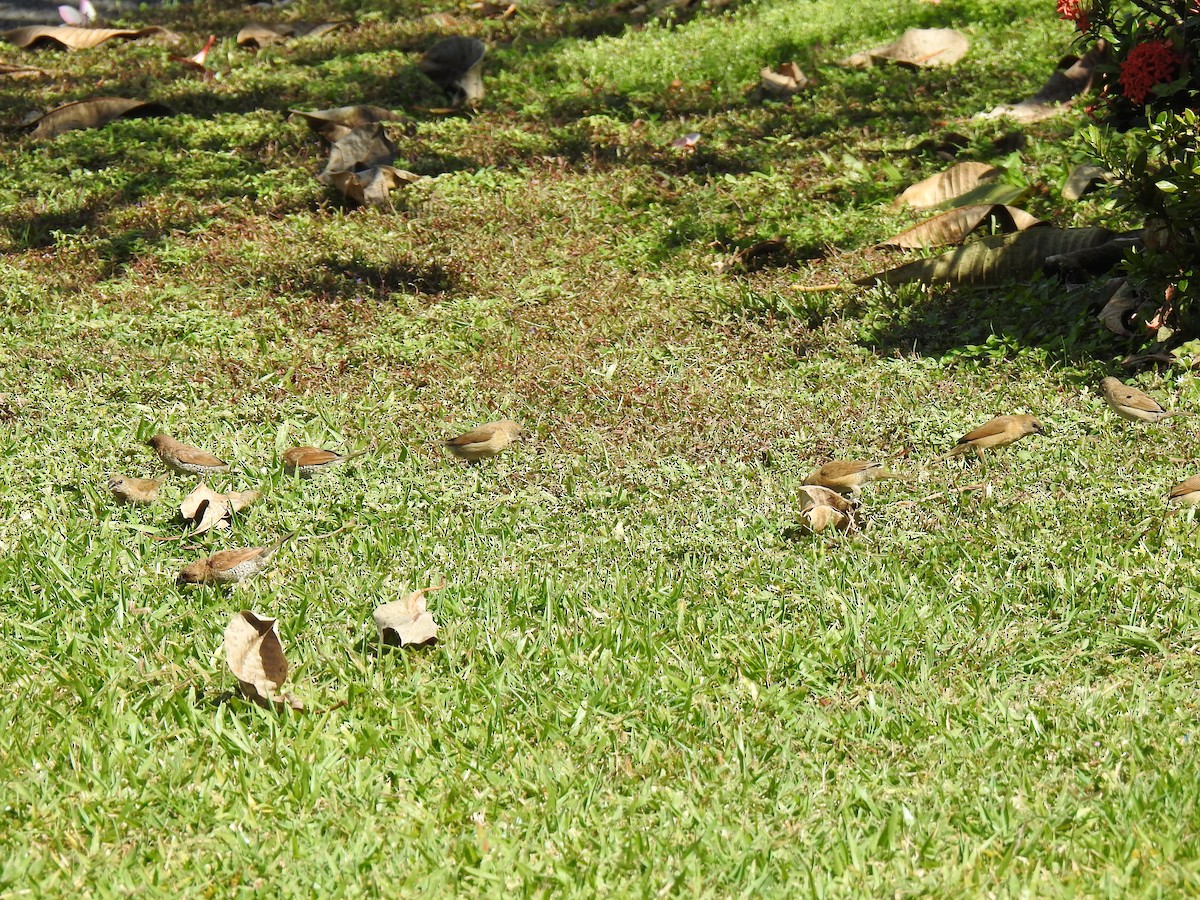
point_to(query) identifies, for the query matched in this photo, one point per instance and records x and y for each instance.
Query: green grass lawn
(648, 683)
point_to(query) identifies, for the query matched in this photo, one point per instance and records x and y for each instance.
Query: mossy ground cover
(647, 681)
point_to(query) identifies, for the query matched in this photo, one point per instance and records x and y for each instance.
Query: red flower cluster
(1148, 64)
(1074, 11)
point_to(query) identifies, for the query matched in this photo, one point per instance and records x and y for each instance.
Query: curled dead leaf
(71, 37)
(204, 508)
(785, 80)
(335, 124)
(93, 114)
(956, 181)
(407, 622)
(954, 226)
(254, 655)
(256, 34)
(819, 518)
(364, 147)
(370, 187)
(1117, 314)
(922, 48)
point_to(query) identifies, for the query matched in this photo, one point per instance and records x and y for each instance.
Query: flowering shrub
(1150, 89)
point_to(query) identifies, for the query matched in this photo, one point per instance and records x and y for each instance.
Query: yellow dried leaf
(407, 622)
(254, 655)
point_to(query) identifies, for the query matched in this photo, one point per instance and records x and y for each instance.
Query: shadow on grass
(1055, 319)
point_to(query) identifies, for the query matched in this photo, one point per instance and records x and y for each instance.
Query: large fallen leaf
(73, 38)
(256, 34)
(254, 654)
(371, 186)
(953, 227)
(1058, 93)
(206, 509)
(917, 48)
(956, 181)
(1001, 259)
(94, 114)
(407, 623)
(364, 147)
(335, 124)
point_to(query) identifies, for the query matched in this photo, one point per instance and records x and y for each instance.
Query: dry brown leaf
(94, 114)
(335, 124)
(364, 147)
(254, 654)
(954, 182)
(74, 38)
(1117, 314)
(917, 48)
(370, 187)
(954, 226)
(1057, 94)
(239, 500)
(407, 623)
(818, 518)
(1082, 180)
(255, 34)
(205, 509)
(996, 260)
(786, 79)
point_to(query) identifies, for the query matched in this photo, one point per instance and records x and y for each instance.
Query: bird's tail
(356, 454)
(274, 548)
(958, 450)
(879, 476)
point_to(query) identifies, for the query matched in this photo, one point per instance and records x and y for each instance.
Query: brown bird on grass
(138, 491)
(1132, 404)
(999, 432)
(230, 566)
(310, 460)
(486, 440)
(185, 459)
(1186, 492)
(849, 476)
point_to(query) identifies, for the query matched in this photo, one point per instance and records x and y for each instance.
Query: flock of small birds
(831, 493)
(231, 566)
